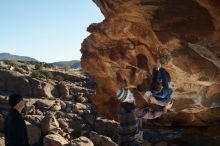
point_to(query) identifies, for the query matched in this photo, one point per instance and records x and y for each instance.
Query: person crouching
(130, 118)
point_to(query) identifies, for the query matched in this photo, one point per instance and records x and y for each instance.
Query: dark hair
(127, 106)
(14, 99)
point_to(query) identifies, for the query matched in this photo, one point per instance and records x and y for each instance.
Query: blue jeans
(164, 95)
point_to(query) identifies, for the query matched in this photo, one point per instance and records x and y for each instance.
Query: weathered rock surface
(194, 116)
(12, 81)
(34, 119)
(82, 141)
(28, 87)
(101, 140)
(107, 127)
(54, 140)
(42, 89)
(44, 104)
(34, 133)
(63, 90)
(122, 49)
(49, 125)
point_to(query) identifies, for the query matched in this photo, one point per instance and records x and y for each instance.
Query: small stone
(80, 106)
(54, 140)
(63, 125)
(82, 141)
(56, 107)
(63, 105)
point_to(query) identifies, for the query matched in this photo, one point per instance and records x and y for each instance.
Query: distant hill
(7, 56)
(71, 64)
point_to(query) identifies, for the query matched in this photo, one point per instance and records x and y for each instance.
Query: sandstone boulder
(55, 140)
(63, 105)
(63, 125)
(82, 141)
(77, 125)
(122, 49)
(107, 127)
(57, 106)
(34, 119)
(34, 133)
(12, 81)
(41, 89)
(101, 140)
(194, 116)
(49, 124)
(44, 104)
(63, 90)
(69, 106)
(80, 107)
(81, 99)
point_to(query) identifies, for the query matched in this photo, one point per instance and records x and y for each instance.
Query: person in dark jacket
(15, 127)
(159, 91)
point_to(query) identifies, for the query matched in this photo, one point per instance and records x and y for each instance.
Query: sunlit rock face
(122, 49)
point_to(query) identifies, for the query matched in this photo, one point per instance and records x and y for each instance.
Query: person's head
(163, 59)
(16, 102)
(125, 95)
(126, 99)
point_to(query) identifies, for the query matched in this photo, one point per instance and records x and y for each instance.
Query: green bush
(59, 78)
(38, 66)
(48, 74)
(35, 74)
(38, 73)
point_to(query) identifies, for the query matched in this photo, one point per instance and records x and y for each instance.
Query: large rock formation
(122, 49)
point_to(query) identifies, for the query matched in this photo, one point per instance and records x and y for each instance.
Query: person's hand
(168, 106)
(147, 94)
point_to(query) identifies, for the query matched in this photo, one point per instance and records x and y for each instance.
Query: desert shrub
(38, 66)
(35, 74)
(48, 74)
(39, 73)
(10, 62)
(59, 78)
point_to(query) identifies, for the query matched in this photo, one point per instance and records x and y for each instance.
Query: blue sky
(48, 30)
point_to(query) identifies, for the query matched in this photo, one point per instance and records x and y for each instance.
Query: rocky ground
(60, 112)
